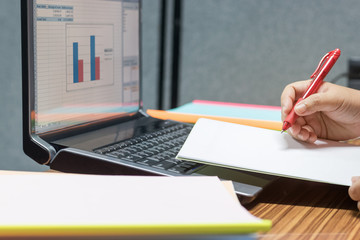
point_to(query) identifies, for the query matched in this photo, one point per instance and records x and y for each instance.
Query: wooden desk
(306, 210)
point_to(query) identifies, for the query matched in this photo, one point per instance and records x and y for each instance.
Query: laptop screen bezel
(38, 146)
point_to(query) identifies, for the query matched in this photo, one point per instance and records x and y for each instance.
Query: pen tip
(285, 126)
(282, 131)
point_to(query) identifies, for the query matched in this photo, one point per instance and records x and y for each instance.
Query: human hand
(331, 113)
(354, 190)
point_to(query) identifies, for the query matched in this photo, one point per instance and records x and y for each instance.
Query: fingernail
(290, 130)
(300, 108)
(301, 137)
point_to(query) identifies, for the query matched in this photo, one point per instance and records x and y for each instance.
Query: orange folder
(192, 118)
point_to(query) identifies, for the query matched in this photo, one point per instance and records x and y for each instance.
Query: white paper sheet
(67, 199)
(269, 151)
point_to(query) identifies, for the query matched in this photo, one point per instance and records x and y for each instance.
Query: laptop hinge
(46, 147)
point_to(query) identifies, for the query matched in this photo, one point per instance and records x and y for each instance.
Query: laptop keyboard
(157, 149)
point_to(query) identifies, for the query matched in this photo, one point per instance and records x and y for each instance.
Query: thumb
(318, 102)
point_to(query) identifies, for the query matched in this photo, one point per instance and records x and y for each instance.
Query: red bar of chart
(97, 68)
(81, 70)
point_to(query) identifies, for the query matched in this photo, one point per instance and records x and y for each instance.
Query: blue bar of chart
(94, 61)
(76, 62)
(92, 57)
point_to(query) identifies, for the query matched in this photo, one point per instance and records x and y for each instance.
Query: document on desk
(87, 205)
(270, 152)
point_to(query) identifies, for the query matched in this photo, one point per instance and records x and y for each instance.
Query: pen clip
(317, 70)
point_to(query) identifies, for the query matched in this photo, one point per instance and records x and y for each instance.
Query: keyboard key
(144, 154)
(132, 158)
(112, 154)
(178, 169)
(159, 157)
(189, 165)
(153, 151)
(148, 161)
(131, 150)
(165, 164)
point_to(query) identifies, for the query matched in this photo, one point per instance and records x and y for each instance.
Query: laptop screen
(86, 62)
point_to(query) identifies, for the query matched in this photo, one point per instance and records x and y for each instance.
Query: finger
(300, 121)
(299, 133)
(287, 101)
(296, 127)
(290, 94)
(294, 130)
(312, 137)
(316, 103)
(295, 90)
(303, 133)
(354, 191)
(355, 179)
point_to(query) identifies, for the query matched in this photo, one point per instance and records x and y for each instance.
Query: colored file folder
(233, 110)
(268, 117)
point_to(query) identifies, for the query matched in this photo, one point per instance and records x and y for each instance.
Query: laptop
(82, 106)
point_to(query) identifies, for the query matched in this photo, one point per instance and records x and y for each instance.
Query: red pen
(325, 65)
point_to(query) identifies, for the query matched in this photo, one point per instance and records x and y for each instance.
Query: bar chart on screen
(89, 55)
(82, 69)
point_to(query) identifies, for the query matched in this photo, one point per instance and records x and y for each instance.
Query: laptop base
(70, 160)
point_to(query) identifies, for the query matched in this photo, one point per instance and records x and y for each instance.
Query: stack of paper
(87, 205)
(247, 114)
(228, 109)
(268, 151)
